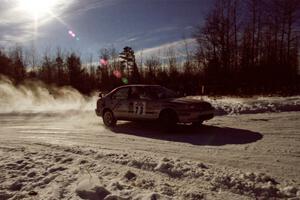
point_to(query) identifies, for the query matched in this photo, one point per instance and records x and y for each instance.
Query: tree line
(252, 44)
(243, 48)
(111, 70)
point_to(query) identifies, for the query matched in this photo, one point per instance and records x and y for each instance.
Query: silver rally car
(151, 102)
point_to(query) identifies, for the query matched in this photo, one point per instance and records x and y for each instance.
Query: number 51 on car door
(139, 108)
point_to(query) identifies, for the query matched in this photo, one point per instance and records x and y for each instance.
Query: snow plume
(259, 104)
(36, 97)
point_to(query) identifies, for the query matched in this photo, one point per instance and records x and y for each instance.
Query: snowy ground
(72, 156)
(52, 146)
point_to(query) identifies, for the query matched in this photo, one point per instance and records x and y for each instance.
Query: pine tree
(129, 66)
(75, 71)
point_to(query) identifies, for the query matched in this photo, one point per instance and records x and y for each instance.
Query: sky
(85, 26)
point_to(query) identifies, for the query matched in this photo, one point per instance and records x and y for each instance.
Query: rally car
(151, 102)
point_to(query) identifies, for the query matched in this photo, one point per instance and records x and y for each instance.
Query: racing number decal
(139, 108)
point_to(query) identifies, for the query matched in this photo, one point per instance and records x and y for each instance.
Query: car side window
(134, 93)
(121, 94)
(145, 94)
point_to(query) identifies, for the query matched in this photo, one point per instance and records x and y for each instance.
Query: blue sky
(142, 24)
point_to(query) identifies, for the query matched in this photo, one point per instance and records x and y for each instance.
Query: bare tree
(152, 64)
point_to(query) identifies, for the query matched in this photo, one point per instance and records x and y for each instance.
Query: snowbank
(259, 104)
(110, 175)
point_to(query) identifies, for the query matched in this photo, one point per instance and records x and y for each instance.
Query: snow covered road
(59, 156)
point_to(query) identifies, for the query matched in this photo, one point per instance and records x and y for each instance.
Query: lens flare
(103, 62)
(117, 74)
(125, 80)
(73, 35)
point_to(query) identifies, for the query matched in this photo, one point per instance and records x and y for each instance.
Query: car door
(136, 106)
(120, 104)
(153, 105)
(140, 104)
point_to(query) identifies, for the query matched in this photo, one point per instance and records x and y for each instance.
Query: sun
(37, 8)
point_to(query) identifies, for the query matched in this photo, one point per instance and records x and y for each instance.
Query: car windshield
(158, 92)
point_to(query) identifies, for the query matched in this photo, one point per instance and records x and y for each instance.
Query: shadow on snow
(203, 135)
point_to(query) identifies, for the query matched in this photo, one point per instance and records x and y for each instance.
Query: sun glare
(37, 8)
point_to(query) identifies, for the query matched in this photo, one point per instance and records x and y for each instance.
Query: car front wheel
(109, 119)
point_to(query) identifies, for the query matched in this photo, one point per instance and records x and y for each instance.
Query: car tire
(108, 119)
(168, 120)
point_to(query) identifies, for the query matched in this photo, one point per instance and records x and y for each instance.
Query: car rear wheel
(109, 119)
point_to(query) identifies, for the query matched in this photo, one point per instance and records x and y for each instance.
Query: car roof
(133, 85)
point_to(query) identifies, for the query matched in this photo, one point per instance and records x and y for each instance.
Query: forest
(246, 47)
